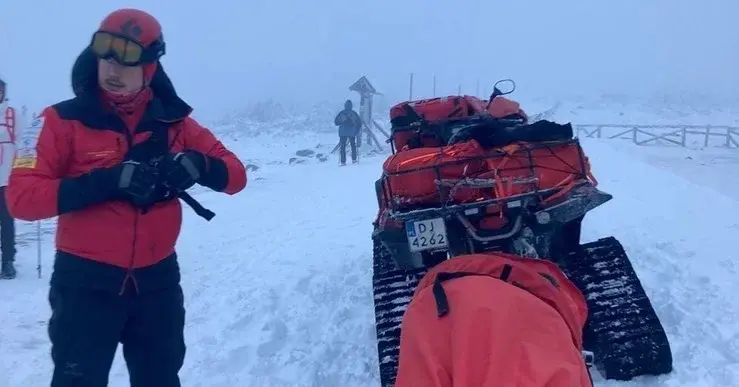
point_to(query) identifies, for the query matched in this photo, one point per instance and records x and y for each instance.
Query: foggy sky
(224, 53)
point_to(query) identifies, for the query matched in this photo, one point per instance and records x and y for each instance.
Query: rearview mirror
(503, 87)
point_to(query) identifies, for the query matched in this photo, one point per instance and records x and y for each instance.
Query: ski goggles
(125, 51)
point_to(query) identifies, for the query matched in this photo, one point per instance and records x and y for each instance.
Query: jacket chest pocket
(95, 149)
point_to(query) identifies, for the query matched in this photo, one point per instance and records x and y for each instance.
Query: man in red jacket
(111, 164)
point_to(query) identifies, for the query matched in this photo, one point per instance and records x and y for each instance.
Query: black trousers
(342, 148)
(7, 231)
(86, 326)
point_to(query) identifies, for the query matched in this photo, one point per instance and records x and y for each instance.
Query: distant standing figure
(349, 125)
(8, 126)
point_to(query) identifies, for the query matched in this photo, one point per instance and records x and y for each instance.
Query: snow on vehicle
(470, 176)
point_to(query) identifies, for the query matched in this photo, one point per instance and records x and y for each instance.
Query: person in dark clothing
(111, 163)
(349, 125)
(7, 240)
(8, 126)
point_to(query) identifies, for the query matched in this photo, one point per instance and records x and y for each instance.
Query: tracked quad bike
(469, 176)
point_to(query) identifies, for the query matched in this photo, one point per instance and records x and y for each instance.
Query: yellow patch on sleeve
(24, 162)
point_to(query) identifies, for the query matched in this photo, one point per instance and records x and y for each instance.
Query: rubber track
(393, 290)
(623, 330)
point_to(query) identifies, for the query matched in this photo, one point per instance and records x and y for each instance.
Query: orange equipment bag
(406, 117)
(494, 319)
(550, 169)
(532, 167)
(503, 107)
(412, 175)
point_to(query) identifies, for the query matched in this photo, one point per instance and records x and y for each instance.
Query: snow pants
(7, 231)
(86, 326)
(342, 148)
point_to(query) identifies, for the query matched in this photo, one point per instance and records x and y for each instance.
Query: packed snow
(278, 284)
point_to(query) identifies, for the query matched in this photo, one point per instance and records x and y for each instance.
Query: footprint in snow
(278, 334)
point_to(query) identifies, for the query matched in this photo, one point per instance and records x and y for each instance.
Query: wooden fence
(665, 135)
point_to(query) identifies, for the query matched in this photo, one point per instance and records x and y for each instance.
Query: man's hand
(182, 170)
(129, 181)
(138, 181)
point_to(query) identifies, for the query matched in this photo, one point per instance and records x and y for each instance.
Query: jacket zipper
(129, 271)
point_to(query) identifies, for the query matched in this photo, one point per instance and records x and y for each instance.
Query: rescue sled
(467, 179)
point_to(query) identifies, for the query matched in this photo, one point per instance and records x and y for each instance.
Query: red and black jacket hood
(166, 105)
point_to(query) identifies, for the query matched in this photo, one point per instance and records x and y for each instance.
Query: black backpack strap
(196, 206)
(152, 152)
(442, 303)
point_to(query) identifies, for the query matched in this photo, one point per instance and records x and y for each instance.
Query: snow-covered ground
(709, 167)
(278, 285)
(680, 236)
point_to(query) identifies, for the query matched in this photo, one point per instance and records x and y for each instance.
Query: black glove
(129, 180)
(138, 182)
(182, 170)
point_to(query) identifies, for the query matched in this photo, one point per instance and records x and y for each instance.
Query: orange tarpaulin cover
(504, 107)
(494, 320)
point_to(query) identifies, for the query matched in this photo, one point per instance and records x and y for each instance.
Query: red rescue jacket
(77, 137)
(493, 320)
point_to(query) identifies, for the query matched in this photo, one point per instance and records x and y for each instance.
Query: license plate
(428, 234)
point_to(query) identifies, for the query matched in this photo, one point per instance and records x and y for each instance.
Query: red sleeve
(224, 171)
(32, 192)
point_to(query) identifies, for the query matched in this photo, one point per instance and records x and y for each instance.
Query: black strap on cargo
(457, 109)
(442, 302)
(411, 113)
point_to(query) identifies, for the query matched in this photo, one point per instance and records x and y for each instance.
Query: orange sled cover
(468, 325)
